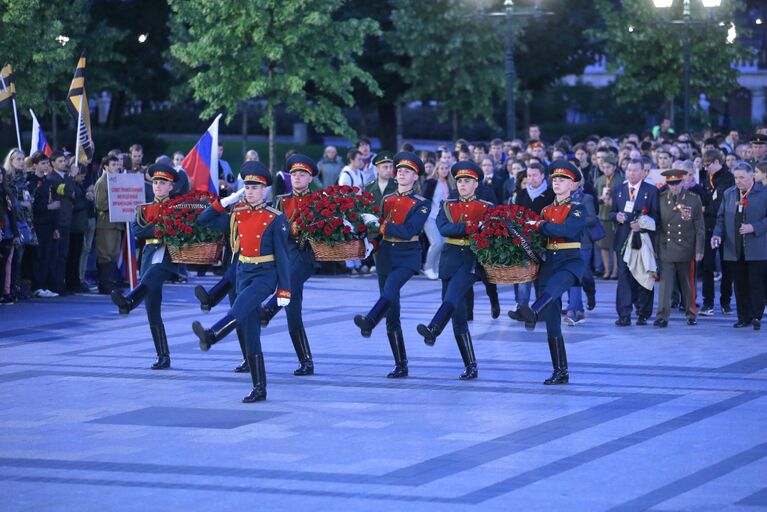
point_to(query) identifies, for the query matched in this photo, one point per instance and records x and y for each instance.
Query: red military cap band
(467, 173)
(253, 179)
(300, 166)
(409, 164)
(162, 175)
(565, 173)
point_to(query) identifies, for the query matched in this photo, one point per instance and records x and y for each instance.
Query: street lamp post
(509, 12)
(686, 21)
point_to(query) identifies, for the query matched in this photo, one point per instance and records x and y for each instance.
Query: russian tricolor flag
(201, 163)
(38, 138)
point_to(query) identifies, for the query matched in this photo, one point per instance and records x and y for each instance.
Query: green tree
(649, 52)
(455, 58)
(43, 62)
(290, 52)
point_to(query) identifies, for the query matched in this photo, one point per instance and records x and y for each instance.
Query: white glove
(368, 218)
(282, 302)
(368, 248)
(531, 222)
(233, 198)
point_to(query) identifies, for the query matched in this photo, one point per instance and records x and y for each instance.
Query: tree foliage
(289, 52)
(43, 66)
(453, 53)
(649, 51)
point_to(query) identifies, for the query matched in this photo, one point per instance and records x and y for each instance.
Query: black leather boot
(269, 310)
(128, 303)
(161, 347)
(368, 322)
(558, 361)
(304, 354)
(210, 298)
(244, 367)
(258, 376)
(397, 344)
(219, 330)
(466, 348)
(531, 315)
(492, 294)
(470, 305)
(437, 324)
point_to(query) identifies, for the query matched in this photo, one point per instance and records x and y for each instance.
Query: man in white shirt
(351, 174)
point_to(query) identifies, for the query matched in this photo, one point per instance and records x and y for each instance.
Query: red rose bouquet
(334, 217)
(507, 246)
(188, 241)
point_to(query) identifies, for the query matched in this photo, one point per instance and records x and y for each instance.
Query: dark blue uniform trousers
(454, 292)
(555, 282)
(389, 286)
(255, 283)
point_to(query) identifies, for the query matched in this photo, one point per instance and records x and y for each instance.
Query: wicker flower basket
(354, 250)
(500, 274)
(197, 254)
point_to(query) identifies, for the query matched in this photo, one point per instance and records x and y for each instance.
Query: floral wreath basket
(332, 223)
(507, 247)
(187, 241)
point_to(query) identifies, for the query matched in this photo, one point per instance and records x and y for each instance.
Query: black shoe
(591, 302)
(740, 324)
(466, 348)
(304, 354)
(243, 367)
(756, 323)
(429, 336)
(692, 321)
(514, 315)
(219, 330)
(623, 321)
(642, 320)
(365, 325)
(368, 322)
(128, 303)
(397, 344)
(558, 361)
(660, 323)
(727, 310)
(495, 305)
(258, 377)
(160, 340)
(525, 314)
(437, 324)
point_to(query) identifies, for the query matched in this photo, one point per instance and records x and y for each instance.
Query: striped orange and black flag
(77, 103)
(7, 89)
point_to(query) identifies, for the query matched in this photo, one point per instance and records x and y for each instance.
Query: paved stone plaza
(666, 420)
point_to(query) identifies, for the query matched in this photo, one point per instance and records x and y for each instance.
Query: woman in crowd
(436, 188)
(14, 177)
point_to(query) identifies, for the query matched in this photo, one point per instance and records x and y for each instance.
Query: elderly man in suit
(741, 226)
(630, 201)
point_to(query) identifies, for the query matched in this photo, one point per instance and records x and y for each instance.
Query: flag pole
(16, 117)
(79, 120)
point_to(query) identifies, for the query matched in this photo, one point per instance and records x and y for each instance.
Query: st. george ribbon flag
(77, 103)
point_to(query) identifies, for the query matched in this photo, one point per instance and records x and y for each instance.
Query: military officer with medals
(302, 170)
(260, 234)
(156, 266)
(456, 221)
(404, 214)
(681, 238)
(563, 223)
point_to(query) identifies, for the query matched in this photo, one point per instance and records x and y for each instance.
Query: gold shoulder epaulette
(273, 210)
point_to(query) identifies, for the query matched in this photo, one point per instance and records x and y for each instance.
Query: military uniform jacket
(563, 223)
(144, 228)
(290, 205)
(402, 223)
(259, 233)
(101, 192)
(645, 200)
(681, 230)
(375, 190)
(457, 218)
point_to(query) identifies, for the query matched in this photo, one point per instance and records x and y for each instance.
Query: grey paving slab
(652, 420)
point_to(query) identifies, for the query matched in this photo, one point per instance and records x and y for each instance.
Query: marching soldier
(681, 236)
(457, 220)
(302, 170)
(563, 223)
(156, 266)
(399, 255)
(260, 234)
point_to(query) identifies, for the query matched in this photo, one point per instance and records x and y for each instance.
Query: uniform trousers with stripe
(684, 272)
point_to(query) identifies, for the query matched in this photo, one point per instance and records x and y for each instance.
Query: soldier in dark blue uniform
(563, 223)
(301, 169)
(156, 266)
(457, 220)
(399, 255)
(260, 234)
